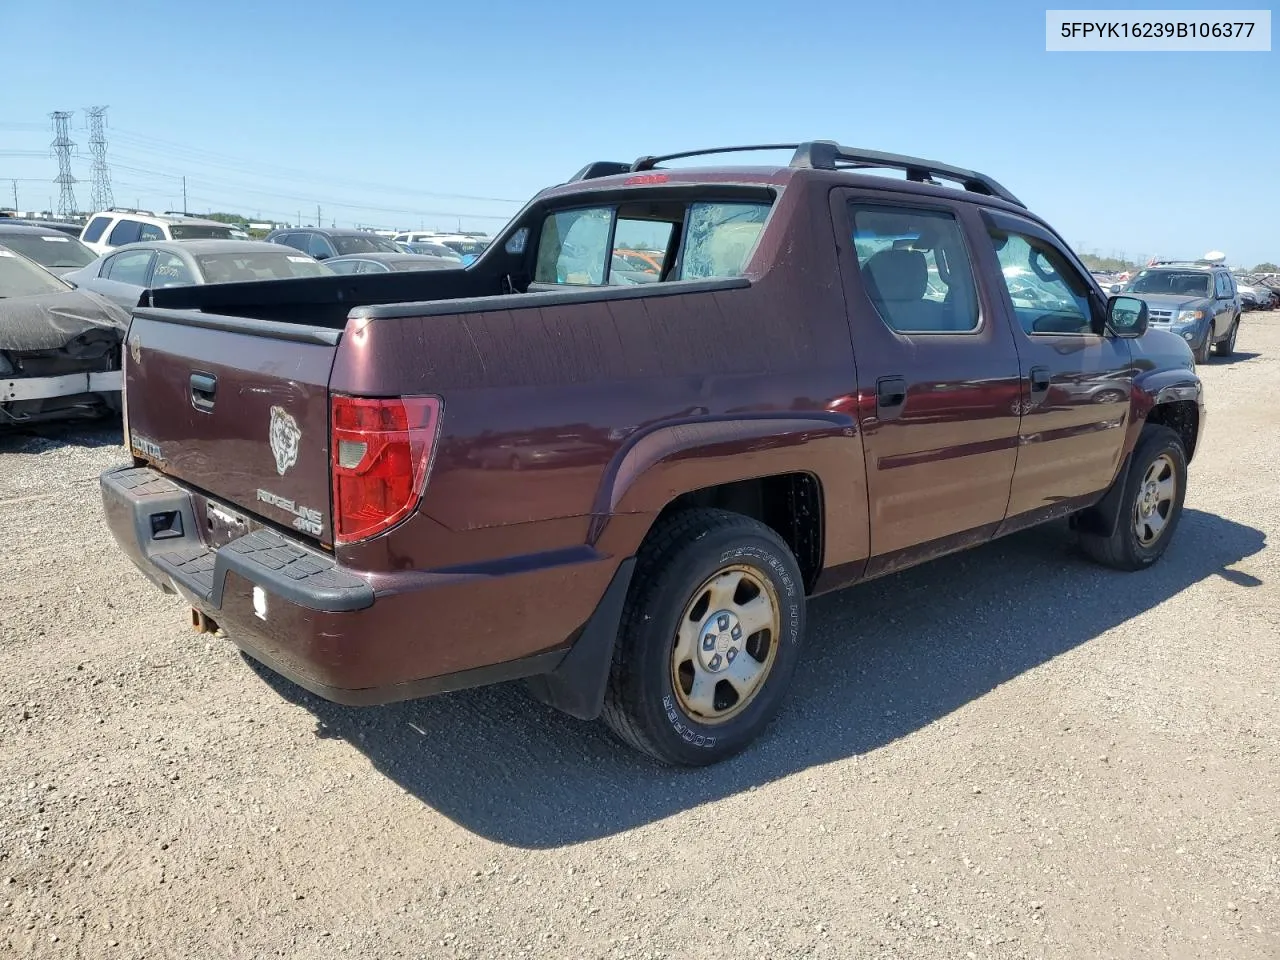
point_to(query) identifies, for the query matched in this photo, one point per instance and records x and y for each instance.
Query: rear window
(22, 278)
(370, 244)
(195, 231)
(718, 239)
(95, 228)
(49, 251)
(237, 267)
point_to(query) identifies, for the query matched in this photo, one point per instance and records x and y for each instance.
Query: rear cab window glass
(573, 247)
(631, 243)
(95, 228)
(125, 231)
(720, 237)
(915, 268)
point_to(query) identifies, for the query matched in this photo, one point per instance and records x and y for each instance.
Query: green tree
(233, 218)
(1105, 264)
(1265, 268)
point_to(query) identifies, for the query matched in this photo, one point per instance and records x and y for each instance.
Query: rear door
(124, 276)
(938, 376)
(1076, 382)
(241, 413)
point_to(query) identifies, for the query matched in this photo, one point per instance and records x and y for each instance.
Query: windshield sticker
(56, 239)
(299, 259)
(6, 253)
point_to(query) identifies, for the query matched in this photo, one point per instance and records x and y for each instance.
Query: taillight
(381, 455)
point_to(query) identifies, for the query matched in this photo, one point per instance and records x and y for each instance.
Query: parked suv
(115, 227)
(322, 244)
(392, 485)
(1195, 299)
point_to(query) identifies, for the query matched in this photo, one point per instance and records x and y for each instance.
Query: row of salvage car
(65, 306)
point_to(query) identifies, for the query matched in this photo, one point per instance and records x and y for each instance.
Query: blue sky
(406, 113)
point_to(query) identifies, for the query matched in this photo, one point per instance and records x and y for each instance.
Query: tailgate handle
(203, 388)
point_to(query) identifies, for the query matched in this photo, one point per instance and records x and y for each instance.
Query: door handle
(891, 396)
(1039, 380)
(204, 386)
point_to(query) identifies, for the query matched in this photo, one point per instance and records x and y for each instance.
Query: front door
(938, 376)
(1077, 380)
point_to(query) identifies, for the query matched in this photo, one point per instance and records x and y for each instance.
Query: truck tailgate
(236, 408)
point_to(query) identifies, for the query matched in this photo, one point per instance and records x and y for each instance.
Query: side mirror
(1114, 288)
(1127, 316)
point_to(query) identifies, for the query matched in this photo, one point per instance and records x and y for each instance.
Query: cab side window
(915, 268)
(1048, 294)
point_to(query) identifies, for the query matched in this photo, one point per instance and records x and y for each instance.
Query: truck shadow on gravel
(91, 434)
(883, 660)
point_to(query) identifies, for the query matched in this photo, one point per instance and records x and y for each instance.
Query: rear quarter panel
(547, 408)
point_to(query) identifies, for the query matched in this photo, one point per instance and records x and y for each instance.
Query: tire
(685, 562)
(1227, 346)
(1202, 352)
(1125, 549)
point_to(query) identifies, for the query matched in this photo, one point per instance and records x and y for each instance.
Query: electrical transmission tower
(62, 148)
(100, 195)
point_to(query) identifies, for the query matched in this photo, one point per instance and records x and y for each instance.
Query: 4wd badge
(285, 436)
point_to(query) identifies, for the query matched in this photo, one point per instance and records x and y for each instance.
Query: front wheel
(1202, 351)
(1150, 505)
(1227, 346)
(710, 636)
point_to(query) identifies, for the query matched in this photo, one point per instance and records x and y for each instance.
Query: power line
(101, 198)
(62, 148)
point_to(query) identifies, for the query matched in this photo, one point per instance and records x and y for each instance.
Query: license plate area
(222, 525)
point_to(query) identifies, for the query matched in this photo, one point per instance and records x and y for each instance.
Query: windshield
(19, 277)
(235, 267)
(370, 244)
(195, 231)
(1189, 283)
(59, 251)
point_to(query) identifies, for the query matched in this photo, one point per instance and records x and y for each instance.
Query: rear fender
(656, 466)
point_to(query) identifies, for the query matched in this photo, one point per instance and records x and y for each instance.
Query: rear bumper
(328, 629)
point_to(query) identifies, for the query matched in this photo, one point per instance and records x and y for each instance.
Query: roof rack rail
(824, 155)
(829, 155)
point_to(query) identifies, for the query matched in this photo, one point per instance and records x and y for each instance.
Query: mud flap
(1102, 517)
(577, 685)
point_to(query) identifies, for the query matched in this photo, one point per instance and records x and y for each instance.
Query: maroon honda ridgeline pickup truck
(618, 475)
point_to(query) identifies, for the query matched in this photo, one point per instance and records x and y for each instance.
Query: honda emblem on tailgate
(285, 436)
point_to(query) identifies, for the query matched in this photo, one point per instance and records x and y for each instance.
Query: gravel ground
(1009, 753)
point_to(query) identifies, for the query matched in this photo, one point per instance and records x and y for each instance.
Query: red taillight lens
(381, 455)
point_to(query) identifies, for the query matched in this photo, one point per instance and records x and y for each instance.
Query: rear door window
(125, 231)
(130, 267)
(95, 228)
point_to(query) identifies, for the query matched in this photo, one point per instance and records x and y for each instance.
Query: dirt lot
(1010, 753)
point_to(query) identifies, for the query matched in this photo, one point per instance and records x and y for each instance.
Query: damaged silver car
(59, 347)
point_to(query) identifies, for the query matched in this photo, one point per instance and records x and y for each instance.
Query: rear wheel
(710, 636)
(1227, 347)
(1151, 504)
